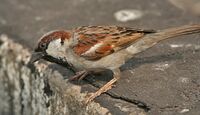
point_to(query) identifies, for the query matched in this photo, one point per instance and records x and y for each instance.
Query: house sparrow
(97, 48)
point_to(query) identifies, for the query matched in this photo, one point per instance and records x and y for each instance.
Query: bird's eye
(43, 45)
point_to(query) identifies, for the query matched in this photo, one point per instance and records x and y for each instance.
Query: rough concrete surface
(162, 80)
(37, 90)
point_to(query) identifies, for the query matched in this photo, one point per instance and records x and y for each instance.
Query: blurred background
(27, 20)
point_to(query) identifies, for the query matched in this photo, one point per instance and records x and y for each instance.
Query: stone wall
(37, 90)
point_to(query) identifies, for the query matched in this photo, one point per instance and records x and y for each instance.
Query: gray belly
(112, 61)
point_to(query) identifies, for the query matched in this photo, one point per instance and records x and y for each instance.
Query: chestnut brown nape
(55, 35)
(47, 38)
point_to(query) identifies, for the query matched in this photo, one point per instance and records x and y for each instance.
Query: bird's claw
(79, 76)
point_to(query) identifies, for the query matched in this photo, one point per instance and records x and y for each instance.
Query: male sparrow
(97, 48)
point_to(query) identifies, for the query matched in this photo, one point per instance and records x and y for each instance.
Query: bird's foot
(79, 75)
(103, 89)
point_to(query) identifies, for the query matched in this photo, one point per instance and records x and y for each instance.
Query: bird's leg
(106, 87)
(82, 74)
(79, 75)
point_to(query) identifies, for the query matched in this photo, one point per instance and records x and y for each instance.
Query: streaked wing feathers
(95, 42)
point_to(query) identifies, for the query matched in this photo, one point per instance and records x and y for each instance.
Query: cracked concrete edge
(25, 91)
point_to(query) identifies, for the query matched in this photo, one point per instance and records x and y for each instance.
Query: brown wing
(95, 42)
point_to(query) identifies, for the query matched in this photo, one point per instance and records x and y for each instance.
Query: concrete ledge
(40, 91)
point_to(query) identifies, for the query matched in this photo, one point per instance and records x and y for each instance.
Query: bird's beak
(36, 56)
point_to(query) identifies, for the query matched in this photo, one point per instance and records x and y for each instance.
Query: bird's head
(51, 46)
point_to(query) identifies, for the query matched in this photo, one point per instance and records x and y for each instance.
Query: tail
(174, 32)
(151, 39)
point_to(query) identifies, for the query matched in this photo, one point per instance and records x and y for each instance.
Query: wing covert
(95, 42)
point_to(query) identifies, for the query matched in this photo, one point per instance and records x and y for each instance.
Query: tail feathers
(151, 39)
(174, 32)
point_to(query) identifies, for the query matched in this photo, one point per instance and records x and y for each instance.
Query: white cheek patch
(55, 48)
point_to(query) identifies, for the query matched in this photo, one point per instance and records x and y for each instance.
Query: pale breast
(111, 62)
